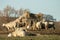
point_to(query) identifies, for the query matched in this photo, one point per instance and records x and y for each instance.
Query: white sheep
(38, 25)
(18, 32)
(9, 25)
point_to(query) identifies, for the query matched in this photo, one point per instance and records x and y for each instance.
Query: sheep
(32, 27)
(9, 25)
(18, 32)
(48, 24)
(45, 24)
(51, 24)
(38, 25)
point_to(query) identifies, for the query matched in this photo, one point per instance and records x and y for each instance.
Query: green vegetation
(41, 37)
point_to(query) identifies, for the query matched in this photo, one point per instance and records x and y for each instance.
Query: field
(49, 34)
(41, 37)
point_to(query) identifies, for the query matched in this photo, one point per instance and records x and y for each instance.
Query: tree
(49, 18)
(1, 14)
(26, 10)
(6, 11)
(20, 11)
(12, 13)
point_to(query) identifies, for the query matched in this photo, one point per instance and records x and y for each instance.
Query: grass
(41, 37)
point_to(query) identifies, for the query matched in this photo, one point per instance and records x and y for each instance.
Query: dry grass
(41, 37)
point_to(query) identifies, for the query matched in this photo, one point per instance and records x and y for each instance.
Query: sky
(51, 7)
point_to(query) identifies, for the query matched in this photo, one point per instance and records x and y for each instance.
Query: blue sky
(51, 7)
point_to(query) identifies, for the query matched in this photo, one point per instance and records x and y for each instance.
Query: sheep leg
(53, 27)
(46, 27)
(7, 29)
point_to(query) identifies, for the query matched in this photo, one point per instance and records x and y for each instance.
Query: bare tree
(20, 11)
(12, 13)
(27, 10)
(1, 14)
(6, 11)
(49, 18)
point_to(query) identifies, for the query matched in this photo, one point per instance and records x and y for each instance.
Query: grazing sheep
(18, 32)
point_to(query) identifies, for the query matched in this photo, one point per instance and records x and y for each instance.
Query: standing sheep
(45, 24)
(48, 24)
(51, 24)
(9, 25)
(38, 25)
